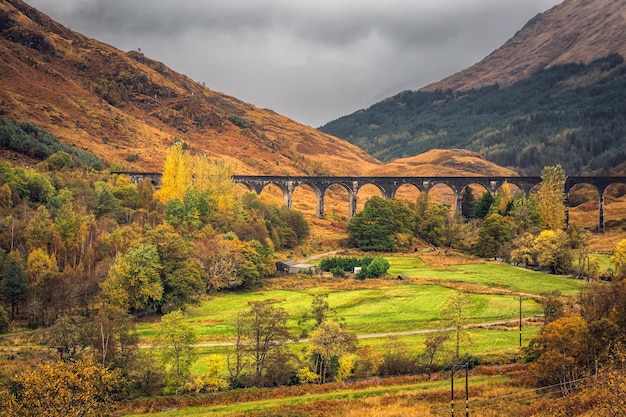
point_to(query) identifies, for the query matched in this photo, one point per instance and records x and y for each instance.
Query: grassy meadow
(391, 311)
(389, 304)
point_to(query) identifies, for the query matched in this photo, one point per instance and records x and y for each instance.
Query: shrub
(240, 122)
(338, 272)
(345, 263)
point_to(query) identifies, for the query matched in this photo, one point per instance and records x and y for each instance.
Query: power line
(529, 394)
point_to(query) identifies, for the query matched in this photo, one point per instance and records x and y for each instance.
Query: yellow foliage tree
(182, 171)
(618, 260)
(505, 197)
(561, 347)
(177, 174)
(62, 389)
(552, 198)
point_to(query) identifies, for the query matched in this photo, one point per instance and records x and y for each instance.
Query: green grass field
(388, 306)
(489, 274)
(393, 308)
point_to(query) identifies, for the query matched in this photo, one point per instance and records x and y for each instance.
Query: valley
(125, 297)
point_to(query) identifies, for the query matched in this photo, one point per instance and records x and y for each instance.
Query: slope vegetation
(570, 114)
(128, 108)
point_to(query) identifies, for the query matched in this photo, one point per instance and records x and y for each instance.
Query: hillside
(442, 162)
(126, 108)
(575, 31)
(538, 100)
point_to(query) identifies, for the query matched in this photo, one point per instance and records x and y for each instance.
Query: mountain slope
(440, 162)
(575, 31)
(573, 114)
(128, 108)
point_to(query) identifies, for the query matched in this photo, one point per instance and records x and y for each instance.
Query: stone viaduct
(388, 186)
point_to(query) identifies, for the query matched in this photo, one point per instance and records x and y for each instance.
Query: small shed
(294, 267)
(284, 266)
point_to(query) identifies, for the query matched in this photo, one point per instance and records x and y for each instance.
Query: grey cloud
(312, 61)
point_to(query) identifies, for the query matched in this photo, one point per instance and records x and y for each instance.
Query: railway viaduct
(388, 186)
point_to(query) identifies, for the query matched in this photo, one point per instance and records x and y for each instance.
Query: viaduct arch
(388, 186)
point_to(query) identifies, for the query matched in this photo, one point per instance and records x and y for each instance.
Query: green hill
(571, 114)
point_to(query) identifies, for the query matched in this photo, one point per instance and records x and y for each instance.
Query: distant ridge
(575, 31)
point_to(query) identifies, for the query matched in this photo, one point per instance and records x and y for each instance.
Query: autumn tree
(328, 343)
(551, 197)
(219, 259)
(453, 315)
(561, 350)
(63, 389)
(69, 335)
(39, 230)
(433, 344)
(67, 225)
(618, 259)
(504, 199)
(368, 362)
(133, 282)
(525, 215)
(176, 340)
(264, 326)
(177, 174)
(523, 250)
(212, 179)
(40, 269)
(111, 334)
(553, 251)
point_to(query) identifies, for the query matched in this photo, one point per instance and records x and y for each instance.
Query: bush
(338, 272)
(345, 263)
(378, 267)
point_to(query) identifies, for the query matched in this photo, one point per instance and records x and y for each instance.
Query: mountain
(575, 31)
(554, 93)
(128, 109)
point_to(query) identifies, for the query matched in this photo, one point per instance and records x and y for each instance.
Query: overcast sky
(310, 60)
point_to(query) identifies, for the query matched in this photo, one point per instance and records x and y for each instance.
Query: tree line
(528, 231)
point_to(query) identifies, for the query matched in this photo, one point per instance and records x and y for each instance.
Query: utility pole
(452, 389)
(520, 321)
(466, 366)
(466, 391)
